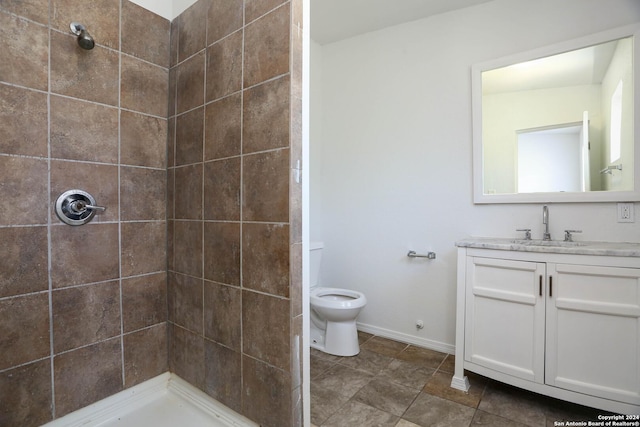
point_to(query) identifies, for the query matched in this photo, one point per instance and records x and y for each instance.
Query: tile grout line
(49, 224)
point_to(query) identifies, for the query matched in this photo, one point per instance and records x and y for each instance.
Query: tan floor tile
(367, 360)
(440, 385)
(514, 404)
(324, 403)
(482, 418)
(422, 356)
(343, 379)
(406, 374)
(386, 396)
(358, 414)
(432, 411)
(384, 346)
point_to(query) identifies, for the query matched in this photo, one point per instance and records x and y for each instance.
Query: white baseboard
(406, 338)
(138, 396)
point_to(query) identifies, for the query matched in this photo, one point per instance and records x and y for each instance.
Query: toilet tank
(315, 255)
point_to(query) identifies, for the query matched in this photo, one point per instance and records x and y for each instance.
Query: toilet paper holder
(429, 255)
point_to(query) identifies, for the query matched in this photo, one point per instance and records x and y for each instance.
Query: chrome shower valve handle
(77, 207)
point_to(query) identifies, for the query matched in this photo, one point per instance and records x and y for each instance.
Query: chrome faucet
(545, 220)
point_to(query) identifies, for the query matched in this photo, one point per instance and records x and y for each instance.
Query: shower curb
(136, 397)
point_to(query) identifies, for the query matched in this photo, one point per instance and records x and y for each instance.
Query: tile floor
(394, 384)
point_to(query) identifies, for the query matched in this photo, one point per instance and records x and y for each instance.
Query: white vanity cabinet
(562, 324)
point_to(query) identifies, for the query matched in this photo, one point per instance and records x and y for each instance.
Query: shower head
(85, 40)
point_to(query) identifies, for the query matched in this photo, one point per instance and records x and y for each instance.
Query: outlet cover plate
(625, 212)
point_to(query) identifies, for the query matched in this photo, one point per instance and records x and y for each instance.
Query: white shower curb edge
(139, 395)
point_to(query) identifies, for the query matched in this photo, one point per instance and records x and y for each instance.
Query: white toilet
(333, 313)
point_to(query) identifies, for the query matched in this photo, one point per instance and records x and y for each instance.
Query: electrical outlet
(625, 212)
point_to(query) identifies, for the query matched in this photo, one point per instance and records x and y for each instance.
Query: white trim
(406, 338)
(142, 394)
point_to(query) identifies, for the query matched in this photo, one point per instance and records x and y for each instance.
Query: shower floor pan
(164, 401)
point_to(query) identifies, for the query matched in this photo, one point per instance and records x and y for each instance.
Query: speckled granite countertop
(554, 246)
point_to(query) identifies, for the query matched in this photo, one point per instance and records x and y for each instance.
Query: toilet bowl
(333, 313)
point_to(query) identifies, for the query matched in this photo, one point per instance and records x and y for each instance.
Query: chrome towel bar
(413, 254)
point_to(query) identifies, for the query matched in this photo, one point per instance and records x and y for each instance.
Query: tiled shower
(190, 134)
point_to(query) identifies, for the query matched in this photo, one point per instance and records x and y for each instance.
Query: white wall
(168, 9)
(393, 171)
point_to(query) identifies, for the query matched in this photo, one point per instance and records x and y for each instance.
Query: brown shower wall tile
(173, 43)
(143, 193)
(86, 375)
(143, 247)
(144, 87)
(185, 301)
(190, 83)
(266, 393)
(171, 179)
(23, 191)
(256, 8)
(186, 355)
(25, 393)
(222, 252)
(24, 330)
(144, 34)
(224, 67)
(296, 49)
(192, 27)
(223, 375)
(84, 254)
(266, 328)
(23, 60)
(170, 245)
(265, 258)
(188, 194)
(141, 364)
(223, 18)
(266, 46)
(85, 74)
(171, 143)
(23, 121)
(173, 81)
(144, 301)
(83, 131)
(222, 314)
(223, 128)
(265, 186)
(36, 10)
(101, 181)
(23, 260)
(189, 137)
(187, 245)
(143, 140)
(222, 190)
(85, 315)
(100, 17)
(265, 118)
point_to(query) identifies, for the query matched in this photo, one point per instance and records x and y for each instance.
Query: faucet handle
(527, 233)
(567, 235)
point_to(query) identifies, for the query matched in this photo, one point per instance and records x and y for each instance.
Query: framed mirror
(559, 124)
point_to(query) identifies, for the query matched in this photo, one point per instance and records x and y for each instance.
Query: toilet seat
(337, 298)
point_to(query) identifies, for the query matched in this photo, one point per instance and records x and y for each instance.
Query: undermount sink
(556, 243)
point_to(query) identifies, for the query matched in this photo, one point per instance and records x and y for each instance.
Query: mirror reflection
(562, 123)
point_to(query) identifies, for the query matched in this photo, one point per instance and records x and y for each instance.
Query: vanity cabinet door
(593, 330)
(504, 317)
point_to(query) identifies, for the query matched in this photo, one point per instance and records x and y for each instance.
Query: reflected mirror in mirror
(560, 123)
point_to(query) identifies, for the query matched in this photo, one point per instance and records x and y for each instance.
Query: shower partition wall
(85, 310)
